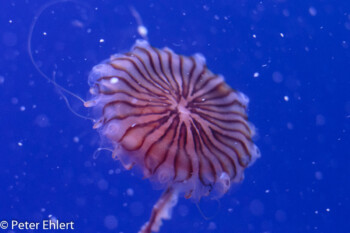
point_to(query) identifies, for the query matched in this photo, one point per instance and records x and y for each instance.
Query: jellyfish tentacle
(161, 210)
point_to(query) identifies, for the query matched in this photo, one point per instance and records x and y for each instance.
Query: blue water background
(291, 58)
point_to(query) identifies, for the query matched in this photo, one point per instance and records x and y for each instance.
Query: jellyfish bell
(175, 120)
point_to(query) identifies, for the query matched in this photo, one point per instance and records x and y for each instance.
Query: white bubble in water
(312, 11)
(142, 30)
(130, 192)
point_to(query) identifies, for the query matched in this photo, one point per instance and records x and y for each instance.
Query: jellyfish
(180, 124)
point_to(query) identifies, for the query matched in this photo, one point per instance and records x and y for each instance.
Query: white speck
(254, 36)
(22, 108)
(281, 34)
(267, 191)
(328, 209)
(114, 80)
(312, 11)
(42, 209)
(10, 21)
(102, 40)
(316, 211)
(142, 30)
(286, 98)
(20, 144)
(42, 120)
(130, 192)
(88, 30)
(256, 74)
(76, 139)
(230, 210)
(44, 33)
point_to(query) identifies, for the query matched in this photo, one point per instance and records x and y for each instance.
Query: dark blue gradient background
(301, 182)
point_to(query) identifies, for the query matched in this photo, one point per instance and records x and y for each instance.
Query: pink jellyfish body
(171, 117)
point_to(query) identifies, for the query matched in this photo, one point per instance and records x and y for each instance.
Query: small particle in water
(22, 108)
(2, 79)
(20, 144)
(76, 139)
(256, 74)
(286, 98)
(206, 8)
(42, 120)
(281, 34)
(10, 21)
(312, 11)
(267, 191)
(142, 30)
(318, 175)
(45, 33)
(102, 40)
(254, 36)
(328, 209)
(130, 192)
